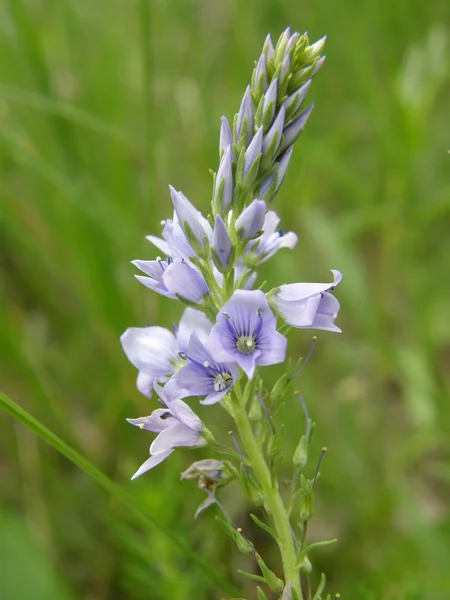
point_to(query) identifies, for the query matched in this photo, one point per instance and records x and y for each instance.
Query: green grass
(102, 105)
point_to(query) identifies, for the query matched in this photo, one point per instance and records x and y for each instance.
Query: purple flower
(185, 282)
(251, 220)
(223, 189)
(293, 130)
(309, 305)
(202, 375)
(222, 245)
(226, 138)
(245, 118)
(176, 425)
(155, 270)
(271, 183)
(174, 279)
(246, 332)
(192, 222)
(175, 243)
(154, 350)
(272, 239)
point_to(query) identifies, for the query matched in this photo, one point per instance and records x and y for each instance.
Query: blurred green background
(102, 105)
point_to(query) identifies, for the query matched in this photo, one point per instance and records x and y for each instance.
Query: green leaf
(264, 526)
(320, 587)
(323, 544)
(110, 486)
(251, 576)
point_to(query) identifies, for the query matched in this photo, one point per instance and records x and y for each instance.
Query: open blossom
(154, 350)
(272, 239)
(202, 375)
(309, 305)
(176, 425)
(246, 332)
(173, 278)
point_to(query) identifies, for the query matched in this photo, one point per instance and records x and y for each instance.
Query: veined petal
(178, 435)
(151, 462)
(300, 291)
(273, 349)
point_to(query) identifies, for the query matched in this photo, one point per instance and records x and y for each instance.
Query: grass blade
(110, 486)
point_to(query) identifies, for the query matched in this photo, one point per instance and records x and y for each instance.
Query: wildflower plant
(231, 329)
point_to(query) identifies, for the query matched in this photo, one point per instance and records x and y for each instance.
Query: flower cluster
(229, 329)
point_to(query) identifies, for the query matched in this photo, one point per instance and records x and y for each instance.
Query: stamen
(166, 415)
(225, 315)
(206, 364)
(264, 407)
(282, 232)
(182, 355)
(158, 258)
(307, 359)
(319, 464)
(260, 313)
(222, 381)
(141, 425)
(163, 222)
(236, 445)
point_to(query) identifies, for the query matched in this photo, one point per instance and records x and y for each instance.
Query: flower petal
(159, 419)
(151, 462)
(178, 435)
(150, 349)
(160, 244)
(192, 320)
(185, 281)
(273, 349)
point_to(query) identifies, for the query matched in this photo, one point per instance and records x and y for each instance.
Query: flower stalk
(232, 328)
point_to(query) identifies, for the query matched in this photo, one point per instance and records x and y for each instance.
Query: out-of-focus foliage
(102, 104)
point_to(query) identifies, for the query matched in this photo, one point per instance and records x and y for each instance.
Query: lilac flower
(223, 190)
(222, 245)
(226, 138)
(309, 305)
(253, 151)
(251, 219)
(173, 243)
(293, 130)
(271, 240)
(176, 425)
(246, 332)
(245, 119)
(185, 282)
(154, 350)
(202, 375)
(155, 270)
(192, 222)
(173, 278)
(271, 183)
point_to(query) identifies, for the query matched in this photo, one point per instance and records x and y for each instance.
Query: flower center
(222, 381)
(245, 344)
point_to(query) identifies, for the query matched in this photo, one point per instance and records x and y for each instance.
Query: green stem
(272, 498)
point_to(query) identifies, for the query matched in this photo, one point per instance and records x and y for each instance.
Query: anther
(225, 315)
(141, 425)
(206, 364)
(182, 355)
(260, 313)
(158, 258)
(163, 222)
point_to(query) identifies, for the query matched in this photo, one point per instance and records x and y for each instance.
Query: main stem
(272, 499)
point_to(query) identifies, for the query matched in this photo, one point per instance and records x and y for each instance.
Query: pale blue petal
(151, 462)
